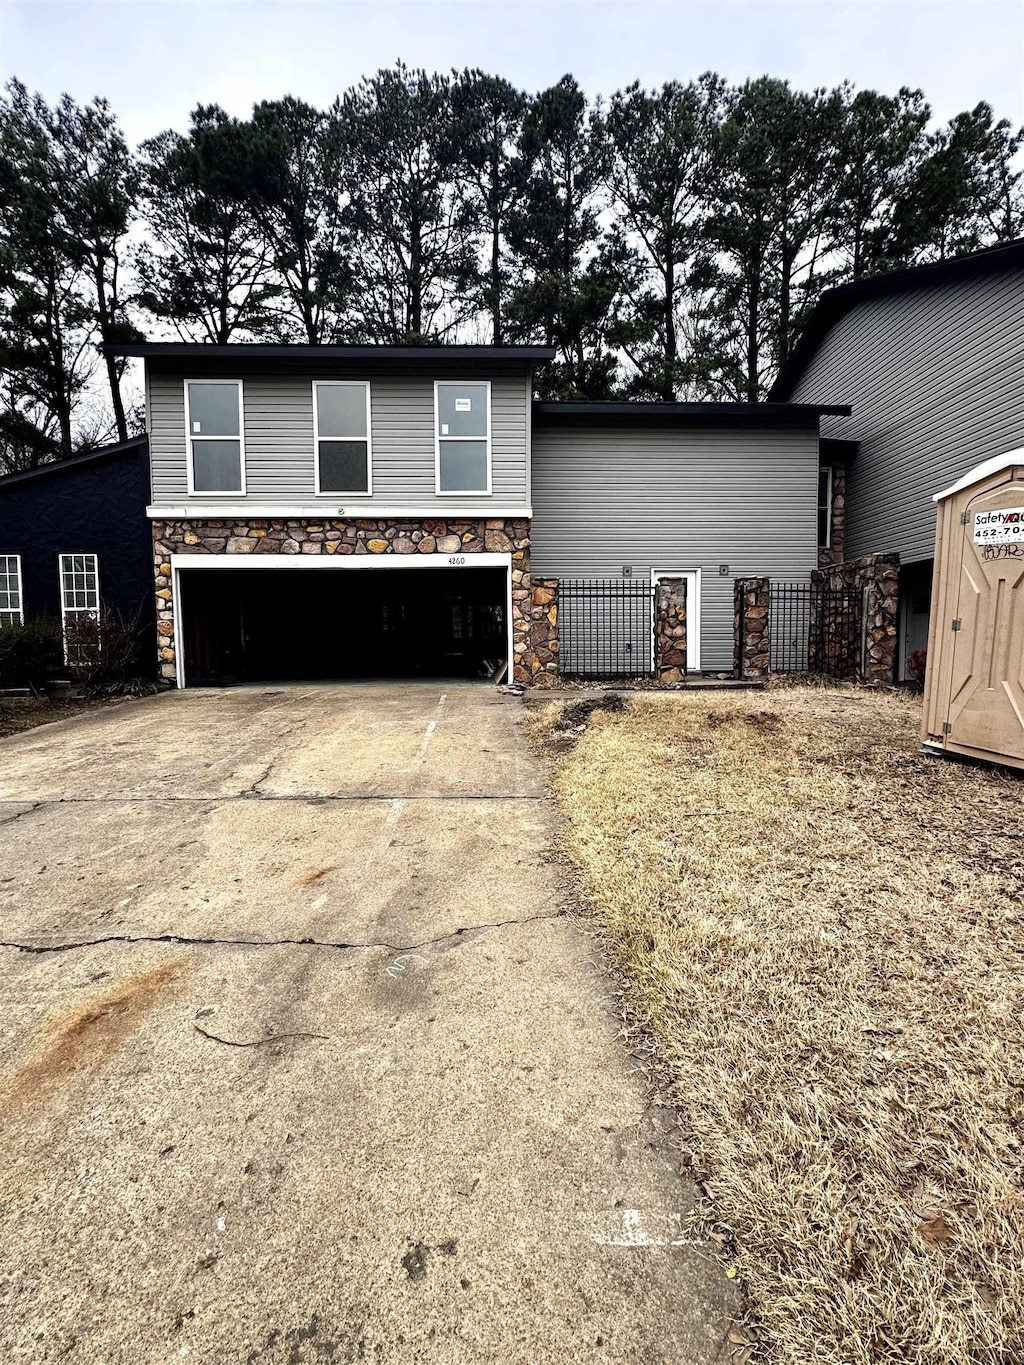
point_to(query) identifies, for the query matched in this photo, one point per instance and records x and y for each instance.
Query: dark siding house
(74, 533)
(931, 361)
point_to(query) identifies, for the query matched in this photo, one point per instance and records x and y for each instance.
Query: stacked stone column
(536, 648)
(872, 653)
(670, 631)
(751, 640)
(881, 611)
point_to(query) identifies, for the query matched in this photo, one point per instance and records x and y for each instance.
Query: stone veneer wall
(878, 578)
(537, 650)
(670, 631)
(534, 613)
(751, 646)
(833, 554)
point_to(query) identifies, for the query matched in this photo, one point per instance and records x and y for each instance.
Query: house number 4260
(456, 559)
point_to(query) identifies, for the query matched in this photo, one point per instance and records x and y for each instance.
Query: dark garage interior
(324, 625)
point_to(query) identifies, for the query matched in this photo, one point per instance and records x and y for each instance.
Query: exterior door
(986, 697)
(691, 577)
(915, 614)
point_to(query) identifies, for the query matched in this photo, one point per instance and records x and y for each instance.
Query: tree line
(667, 243)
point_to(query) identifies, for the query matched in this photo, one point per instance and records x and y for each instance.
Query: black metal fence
(816, 629)
(606, 627)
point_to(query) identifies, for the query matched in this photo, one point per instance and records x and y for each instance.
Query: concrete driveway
(303, 1058)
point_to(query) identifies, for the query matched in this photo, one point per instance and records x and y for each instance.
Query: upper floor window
(825, 507)
(341, 434)
(11, 612)
(462, 417)
(216, 443)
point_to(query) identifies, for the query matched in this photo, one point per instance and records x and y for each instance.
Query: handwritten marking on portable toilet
(974, 685)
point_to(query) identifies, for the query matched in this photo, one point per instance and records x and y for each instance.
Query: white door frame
(454, 563)
(692, 578)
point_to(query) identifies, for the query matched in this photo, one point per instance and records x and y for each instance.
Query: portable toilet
(974, 679)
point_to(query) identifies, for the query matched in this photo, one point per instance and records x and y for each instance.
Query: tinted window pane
(463, 467)
(341, 410)
(216, 466)
(343, 467)
(215, 408)
(462, 408)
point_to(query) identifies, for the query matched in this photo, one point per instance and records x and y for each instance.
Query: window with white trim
(216, 441)
(341, 437)
(825, 506)
(11, 608)
(462, 417)
(79, 605)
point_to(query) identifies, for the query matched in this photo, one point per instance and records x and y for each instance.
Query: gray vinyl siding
(278, 420)
(935, 377)
(661, 499)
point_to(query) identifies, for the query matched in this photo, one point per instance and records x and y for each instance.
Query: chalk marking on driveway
(635, 1228)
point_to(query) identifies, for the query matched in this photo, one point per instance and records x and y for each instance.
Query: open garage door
(306, 625)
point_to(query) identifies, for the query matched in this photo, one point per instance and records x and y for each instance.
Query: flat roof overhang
(749, 415)
(243, 350)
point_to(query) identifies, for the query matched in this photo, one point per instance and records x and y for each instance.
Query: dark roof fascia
(836, 303)
(751, 415)
(833, 451)
(184, 350)
(137, 443)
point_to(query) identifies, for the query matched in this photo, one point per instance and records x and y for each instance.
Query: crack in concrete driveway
(448, 1175)
(196, 942)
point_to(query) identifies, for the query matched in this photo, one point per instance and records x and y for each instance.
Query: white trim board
(692, 577)
(199, 511)
(482, 559)
(455, 563)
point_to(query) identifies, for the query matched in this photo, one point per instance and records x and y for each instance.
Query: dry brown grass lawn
(823, 934)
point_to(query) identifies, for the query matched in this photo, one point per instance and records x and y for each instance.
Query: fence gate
(816, 629)
(606, 627)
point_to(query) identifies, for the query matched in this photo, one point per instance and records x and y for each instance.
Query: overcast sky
(155, 59)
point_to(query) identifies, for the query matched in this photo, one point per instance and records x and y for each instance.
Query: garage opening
(304, 625)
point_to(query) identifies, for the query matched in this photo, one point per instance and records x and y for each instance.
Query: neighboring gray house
(931, 361)
(323, 512)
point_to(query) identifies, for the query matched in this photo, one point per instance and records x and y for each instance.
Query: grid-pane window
(11, 612)
(80, 605)
(213, 417)
(462, 414)
(825, 507)
(341, 424)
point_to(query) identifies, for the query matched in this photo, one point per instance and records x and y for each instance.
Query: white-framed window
(825, 507)
(462, 437)
(12, 611)
(79, 604)
(342, 445)
(11, 605)
(215, 433)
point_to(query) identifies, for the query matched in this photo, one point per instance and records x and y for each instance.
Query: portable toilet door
(974, 683)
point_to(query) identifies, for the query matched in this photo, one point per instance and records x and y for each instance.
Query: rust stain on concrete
(78, 1043)
(315, 876)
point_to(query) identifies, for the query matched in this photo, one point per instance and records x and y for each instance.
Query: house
(75, 534)
(931, 362)
(333, 511)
